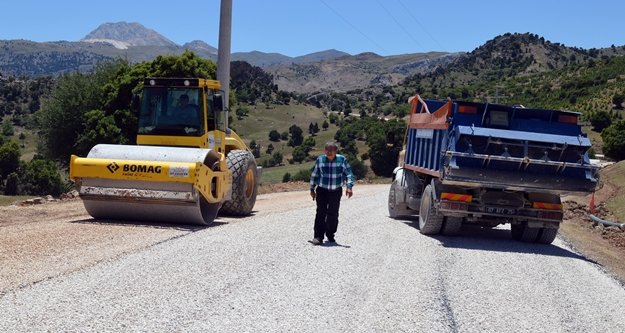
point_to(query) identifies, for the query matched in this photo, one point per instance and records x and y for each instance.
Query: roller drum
(167, 202)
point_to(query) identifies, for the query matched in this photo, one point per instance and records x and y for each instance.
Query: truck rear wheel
(244, 183)
(451, 225)
(524, 233)
(430, 221)
(546, 235)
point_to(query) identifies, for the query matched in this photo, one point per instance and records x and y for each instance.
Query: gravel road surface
(259, 273)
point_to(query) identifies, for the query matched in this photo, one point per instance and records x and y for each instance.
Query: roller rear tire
(244, 183)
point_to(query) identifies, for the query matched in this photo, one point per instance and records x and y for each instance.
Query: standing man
(326, 185)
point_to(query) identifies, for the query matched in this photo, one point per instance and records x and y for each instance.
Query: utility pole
(223, 49)
(497, 95)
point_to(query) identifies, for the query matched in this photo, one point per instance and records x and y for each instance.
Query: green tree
(62, 116)
(9, 158)
(299, 154)
(614, 140)
(277, 158)
(358, 168)
(99, 128)
(11, 184)
(350, 149)
(618, 100)
(286, 178)
(302, 175)
(308, 144)
(600, 120)
(325, 125)
(109, 88)
(270, 149)
(40, 177)
(382, 156)
(274, 136)
(296, 136)
(7, 128)
(255, 148)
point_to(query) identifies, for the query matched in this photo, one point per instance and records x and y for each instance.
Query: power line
(421, 25)
(401, 26)
(354, 27)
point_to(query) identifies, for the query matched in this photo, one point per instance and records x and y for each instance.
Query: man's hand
(313, 194)
(349, 193)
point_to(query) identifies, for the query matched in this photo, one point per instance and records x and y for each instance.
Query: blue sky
(298, 27)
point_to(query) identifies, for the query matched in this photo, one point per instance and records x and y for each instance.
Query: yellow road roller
(186, 167)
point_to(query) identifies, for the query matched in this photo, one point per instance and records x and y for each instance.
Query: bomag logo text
(142, 168)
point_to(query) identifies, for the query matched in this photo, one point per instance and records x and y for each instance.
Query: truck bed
(498, 146)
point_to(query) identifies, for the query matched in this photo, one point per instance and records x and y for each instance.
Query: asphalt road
(259, 273)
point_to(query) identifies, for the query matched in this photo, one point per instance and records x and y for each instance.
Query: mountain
(200, 47)
(355, 72)
(124, 34)
(320, 56)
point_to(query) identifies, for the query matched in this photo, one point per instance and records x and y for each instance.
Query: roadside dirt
(604, 245)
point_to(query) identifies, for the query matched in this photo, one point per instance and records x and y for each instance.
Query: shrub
(9, 158)
(302, 175)
(286, 178)
(11, 185)
(614, 141)
(358, 168)
(40, 177)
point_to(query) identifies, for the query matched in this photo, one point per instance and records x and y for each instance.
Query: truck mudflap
(508, 159)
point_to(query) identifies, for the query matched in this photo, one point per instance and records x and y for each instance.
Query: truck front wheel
(430, 222)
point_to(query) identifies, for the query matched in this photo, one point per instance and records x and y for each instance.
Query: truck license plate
(500, 210)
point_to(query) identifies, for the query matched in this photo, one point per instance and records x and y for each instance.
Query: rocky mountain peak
(200, 47)
(126, 34)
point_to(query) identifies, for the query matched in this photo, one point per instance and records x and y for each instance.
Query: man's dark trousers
(327, 218)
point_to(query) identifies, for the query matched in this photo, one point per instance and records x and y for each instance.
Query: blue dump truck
(489, 164)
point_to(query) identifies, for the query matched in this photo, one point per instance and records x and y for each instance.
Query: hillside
(520, 68)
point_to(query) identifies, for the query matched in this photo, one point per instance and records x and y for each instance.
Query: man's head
(184, 99)
(330, 150)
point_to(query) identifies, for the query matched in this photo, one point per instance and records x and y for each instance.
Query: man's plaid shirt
(331, 174)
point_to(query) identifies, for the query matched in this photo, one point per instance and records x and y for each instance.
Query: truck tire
(451, 226)
(546, 235)
(393, 210)
(430, 222)
(523, 233)
(244, 183)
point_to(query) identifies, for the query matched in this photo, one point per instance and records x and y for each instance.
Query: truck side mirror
(135, 103)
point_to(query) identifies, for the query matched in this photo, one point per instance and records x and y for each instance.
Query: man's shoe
(316, 241)
(331, 240)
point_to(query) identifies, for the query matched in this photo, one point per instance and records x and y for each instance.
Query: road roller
(187, 166)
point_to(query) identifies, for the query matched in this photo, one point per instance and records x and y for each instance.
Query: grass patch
(274, 175)
(6, 200)
(261, 120)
